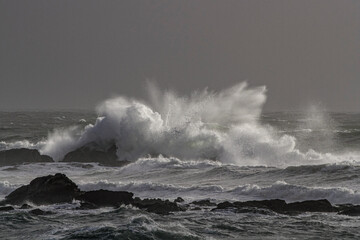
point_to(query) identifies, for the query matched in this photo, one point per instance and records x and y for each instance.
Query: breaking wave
(221, 126)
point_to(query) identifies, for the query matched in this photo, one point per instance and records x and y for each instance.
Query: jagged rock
(178, 200)
(204, 203)
(22, 155)
(45, 190)
(93, 153)
(157, 206)
(6, 208)
(58, 188)
(105, 198)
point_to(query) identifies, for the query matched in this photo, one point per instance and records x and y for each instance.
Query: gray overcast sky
(73, 54)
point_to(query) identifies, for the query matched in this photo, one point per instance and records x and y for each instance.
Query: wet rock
(254, 210)
(224, 205)
(87, 206)
(105, 198)
(39, 212)
(179, 200)
(280, 206)
(22, 155)
(276, 205)
(351, 210)
(25, 206)
(204, 203)
(158, 206)
(45, 190)
(92, 152)
(6, 208)
(322, 205)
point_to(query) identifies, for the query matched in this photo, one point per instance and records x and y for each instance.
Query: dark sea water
(323, 163)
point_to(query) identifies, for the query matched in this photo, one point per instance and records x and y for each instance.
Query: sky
(74, 54)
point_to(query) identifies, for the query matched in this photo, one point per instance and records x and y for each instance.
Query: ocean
(215, 146)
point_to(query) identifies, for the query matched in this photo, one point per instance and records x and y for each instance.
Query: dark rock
(105, 198)
(178, 200)
(39, 212)
(92, 152)
(351, 210)
(157, 206)
(87, 206)
(280, 206)
(204, 203)
(45, 190)
(224, 205)
(322, 205)
(22, 155)
(276, 205)
(25, 206)
(254, 210)
(6, 208)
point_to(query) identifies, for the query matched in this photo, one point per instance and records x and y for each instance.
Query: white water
(205, 125)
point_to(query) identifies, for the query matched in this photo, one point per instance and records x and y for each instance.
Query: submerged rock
(22, 155)
(45, 190)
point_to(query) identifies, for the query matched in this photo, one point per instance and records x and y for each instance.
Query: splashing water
(206, 125)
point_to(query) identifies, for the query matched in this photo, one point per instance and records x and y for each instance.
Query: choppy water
(192, 180)
(218, 149)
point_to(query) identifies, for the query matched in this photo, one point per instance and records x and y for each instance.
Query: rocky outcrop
(45, 190)
(157, 206)
(322, 205)
(280, 206)
(93, 153)
(22, 155)
(105, 198)
(40, 212)
(6, 208)
(179, 200)
(205, 202)
(58, 188)
(350, 210)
